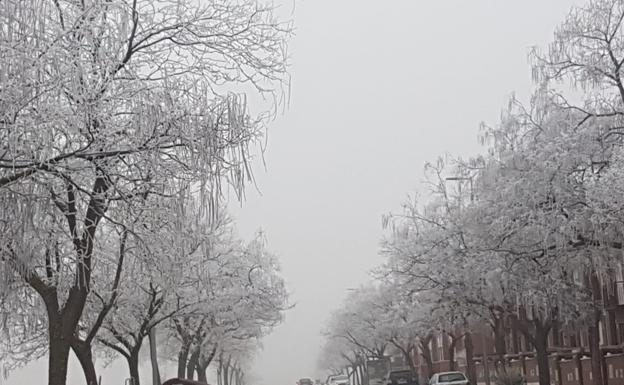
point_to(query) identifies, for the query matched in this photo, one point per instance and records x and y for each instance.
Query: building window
(584, 342)
(620, 328)
(619, 284)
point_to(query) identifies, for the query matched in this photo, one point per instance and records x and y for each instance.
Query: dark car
(181, 381)
(305, 381)
(401, 377)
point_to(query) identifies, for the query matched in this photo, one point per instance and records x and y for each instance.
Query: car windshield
(340, 378)
(450, 377)
(305, 381)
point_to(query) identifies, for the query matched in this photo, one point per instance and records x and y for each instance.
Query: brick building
(570, 363)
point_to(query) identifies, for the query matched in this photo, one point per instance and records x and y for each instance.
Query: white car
(339, 379)
(448, 378)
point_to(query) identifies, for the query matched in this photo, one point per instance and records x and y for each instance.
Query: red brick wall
(569, 372)
(615, 369)
(516, 366)
(531, 370)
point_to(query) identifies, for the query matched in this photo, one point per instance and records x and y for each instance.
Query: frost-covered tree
(103, 102)
(242, 298)
(537, 227)
(359, 322)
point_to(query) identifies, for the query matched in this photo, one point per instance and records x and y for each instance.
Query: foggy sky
(378, 89)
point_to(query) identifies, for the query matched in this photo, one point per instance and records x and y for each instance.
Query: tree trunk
(595, 352)
(579, 367)
(499, 341)
(133, 365)
(597, 359)
(541, 351)
(85, 357)
(426, 354)
(407, 356)
(58, 353)
(454, 341)
(154, 357)
(182, 358)
(356, 375)
(470, 366)
(201, 374)
(226, 373)
(232, 371)
(238, 378)
(202, 365)
(192, 364)
(515, 343)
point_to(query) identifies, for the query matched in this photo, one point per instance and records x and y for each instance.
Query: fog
(378, 88)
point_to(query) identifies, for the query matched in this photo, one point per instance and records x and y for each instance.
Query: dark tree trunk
(239, 377)
(541, 351)
(356, 375)
(452, 346)
(579, 367)
(407, 353)
(85, 357)
(594, 332)
(515, 343)
(499, 341)
(203, 363)
(154, 357)
(61, 327)
(409, 357)
(363, 375)
(426, 354)
(232, 371)
(63, 320)
(595, 352)
(133, 365)
(201, 374)
(192, 364)
(182, 360)
(58, 354)
(226, 373)
(470, 366)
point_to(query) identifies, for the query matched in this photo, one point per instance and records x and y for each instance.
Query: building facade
(569, 353)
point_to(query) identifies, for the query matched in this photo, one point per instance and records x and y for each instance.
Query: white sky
(378, 89)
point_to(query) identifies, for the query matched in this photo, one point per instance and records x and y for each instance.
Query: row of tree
(123, 124)
(531, 231)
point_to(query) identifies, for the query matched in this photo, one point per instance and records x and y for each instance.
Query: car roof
(449, 373)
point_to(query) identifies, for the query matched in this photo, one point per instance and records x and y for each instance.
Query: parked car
(305, 381)
(449, 378)
(401, 377)
(338, 379)
(181, 381)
